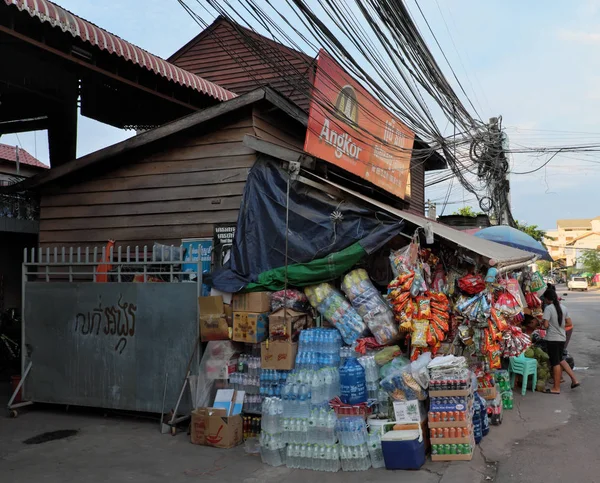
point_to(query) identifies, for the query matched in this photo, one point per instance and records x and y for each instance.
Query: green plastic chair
(526, 367)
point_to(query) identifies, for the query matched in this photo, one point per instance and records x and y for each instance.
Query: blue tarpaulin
(319, 225)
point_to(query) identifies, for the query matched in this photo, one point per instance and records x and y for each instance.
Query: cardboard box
(212, 427)
(252, 302)
(279, 355)
(286, 324)
(250, 327)
(412, 411)
(488, 393)
(213, 319)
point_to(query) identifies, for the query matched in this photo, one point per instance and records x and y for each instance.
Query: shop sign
(348, 127)
(223, 241)
(198, 249)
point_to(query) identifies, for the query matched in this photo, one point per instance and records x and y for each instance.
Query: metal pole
(17, 161)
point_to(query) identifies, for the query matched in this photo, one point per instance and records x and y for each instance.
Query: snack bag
(420, 333)
(471, 284)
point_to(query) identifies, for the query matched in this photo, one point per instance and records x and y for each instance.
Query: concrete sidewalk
(111, 448)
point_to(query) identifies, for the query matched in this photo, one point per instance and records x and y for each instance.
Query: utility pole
(17, 160)
(500, 187)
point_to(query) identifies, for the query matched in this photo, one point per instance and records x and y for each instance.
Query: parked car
(578, 283)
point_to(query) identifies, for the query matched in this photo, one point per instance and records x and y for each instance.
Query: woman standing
(556, 320)
(568, 328)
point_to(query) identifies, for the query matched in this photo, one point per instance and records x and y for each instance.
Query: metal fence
(109, 328)
(19, 206)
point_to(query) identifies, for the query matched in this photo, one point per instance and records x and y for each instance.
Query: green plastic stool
(526, 367)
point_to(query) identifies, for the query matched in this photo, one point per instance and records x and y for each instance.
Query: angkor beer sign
(348, 127)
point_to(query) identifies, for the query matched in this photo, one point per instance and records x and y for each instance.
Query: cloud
(578, 36)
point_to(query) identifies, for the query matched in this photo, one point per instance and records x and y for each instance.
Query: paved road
(564, 436)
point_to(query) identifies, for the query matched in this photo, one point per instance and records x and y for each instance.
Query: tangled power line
(379, 44)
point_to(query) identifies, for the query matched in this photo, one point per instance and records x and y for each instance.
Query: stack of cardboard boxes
(279, 351)
(216, 319)
(251, 317)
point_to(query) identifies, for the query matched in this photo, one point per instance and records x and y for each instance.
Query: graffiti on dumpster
(108, 321)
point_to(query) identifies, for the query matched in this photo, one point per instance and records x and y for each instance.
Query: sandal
(573, 386)
(548, 391)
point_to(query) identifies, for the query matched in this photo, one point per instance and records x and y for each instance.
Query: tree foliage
(533, 231)
(543, 267)
(590, 260)
(466, 211)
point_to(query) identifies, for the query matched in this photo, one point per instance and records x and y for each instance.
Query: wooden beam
(139, 140)
(279, 152)
(62, 125)
(286, 106)
(24, 125)
(93, 68)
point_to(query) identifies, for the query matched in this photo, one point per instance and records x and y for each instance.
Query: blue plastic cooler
(403, 450)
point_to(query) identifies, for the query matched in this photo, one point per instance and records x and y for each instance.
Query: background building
(572, 237)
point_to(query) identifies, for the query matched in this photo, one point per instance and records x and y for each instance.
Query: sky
(533, 63)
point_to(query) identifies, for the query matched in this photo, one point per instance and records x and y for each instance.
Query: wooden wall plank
(190, 205)
(141, 196)
(162, 220)
(175, 232)
(146, 168)
(161, 181)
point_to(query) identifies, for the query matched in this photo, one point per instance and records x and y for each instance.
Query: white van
(578, 283)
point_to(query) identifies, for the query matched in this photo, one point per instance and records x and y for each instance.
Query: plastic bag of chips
(420, 333)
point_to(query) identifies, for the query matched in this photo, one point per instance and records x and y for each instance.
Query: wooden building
(240, 60)
(56, 63)
(176, 181)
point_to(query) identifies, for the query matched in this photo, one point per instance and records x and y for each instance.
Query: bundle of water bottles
(318, 348)
(272, 382)
(358, 449)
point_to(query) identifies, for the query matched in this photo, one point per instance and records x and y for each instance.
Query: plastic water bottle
(375, 450)
(353, 387)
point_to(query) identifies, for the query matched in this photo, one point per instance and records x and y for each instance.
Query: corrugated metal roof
(46, 11)
(503, 256)
(9, 153)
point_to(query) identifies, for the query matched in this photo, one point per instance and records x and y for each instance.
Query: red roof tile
(9, 153)
(46, 11)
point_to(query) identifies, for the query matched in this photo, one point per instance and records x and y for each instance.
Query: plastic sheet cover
(319, 225)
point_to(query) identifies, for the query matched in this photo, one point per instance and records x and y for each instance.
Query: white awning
(503, 256)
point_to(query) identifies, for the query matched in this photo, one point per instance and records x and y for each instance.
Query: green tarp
(316, 271)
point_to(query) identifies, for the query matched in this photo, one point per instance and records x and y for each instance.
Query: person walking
(555, 320)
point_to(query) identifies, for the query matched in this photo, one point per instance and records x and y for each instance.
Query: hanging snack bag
(420, 333)
(332, 305)
(370, 305)
(537, 283)
(471, 284)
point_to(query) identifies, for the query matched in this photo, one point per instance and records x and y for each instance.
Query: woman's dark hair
(550, 296)
(551, 287)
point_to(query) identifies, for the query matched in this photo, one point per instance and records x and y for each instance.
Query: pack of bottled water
(295, 430)
(355, 458)
(271, 382)
(321, 426)
(371, 375)
(272, 449)
(375, 450)
(318, 348)
(351, 431)
(272, 415)
(316, 457)
(296, 397)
